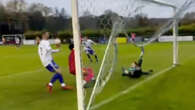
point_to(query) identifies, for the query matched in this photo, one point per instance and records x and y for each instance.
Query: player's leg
(92, 52)
(140, 61)
(148, 72)
(61, 80)
(60, 77)
(96, 57)
(89, 57)
(125, 72)
(53, 67)
(87, 51)
(53, 79)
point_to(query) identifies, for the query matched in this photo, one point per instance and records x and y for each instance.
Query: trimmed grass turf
(23, 80)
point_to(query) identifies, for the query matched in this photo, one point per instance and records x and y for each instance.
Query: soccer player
(88, 43)
(37, 40)
(133, 36)
(71, 60)
(18, 41)
(89, 78)
(3, 40)
(135, 70)
(45, 52)
(88, 73)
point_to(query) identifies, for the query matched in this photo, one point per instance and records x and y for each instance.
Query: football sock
(59, 77)
(96, 58)
(50, 84)
(89, 58)
(63, 85)
(54, 78)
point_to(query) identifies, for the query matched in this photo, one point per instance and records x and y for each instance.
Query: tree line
(34, 18)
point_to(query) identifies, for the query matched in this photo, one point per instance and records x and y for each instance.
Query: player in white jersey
(45, 52)
(88, 43)
(18, 41)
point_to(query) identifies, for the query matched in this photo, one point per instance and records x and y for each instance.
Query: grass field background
(23, 80)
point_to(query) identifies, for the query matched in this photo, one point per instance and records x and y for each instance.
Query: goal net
(132, 22)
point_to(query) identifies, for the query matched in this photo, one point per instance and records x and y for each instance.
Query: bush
(187, 30)
(95, 34)
(67, 34)
(32, 34)
(91, 33)
(145, 32)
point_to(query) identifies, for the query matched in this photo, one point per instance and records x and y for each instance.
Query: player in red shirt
(88, 73)
(71, 60)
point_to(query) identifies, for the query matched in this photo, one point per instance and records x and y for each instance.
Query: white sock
(63, 84)
(50, 84)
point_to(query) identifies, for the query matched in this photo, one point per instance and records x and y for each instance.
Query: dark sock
(89, 58)
(60, 78)
(96, 58)
(54, 78)
(57, 76)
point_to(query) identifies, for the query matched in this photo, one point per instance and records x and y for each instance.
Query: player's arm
(93, 42)
(55, 50)
(49, 49)
(83, 44)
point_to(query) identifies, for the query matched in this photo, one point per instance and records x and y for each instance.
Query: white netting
(180, 11)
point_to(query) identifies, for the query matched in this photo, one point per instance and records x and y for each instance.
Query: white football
(57, 41)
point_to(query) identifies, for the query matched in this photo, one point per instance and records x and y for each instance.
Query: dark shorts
(52, 66)
(90, 51)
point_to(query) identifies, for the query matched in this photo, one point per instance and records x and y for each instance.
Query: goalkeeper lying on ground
(135, 70)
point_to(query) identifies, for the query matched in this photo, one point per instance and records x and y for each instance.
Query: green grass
(23, 80)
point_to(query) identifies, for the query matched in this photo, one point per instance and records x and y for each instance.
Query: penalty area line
(20, 73)
(131, 88)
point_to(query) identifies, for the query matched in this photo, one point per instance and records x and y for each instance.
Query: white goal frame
(76, 34)
(175, 30)
(77, 43)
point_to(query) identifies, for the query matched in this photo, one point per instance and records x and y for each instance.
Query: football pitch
(23, 80)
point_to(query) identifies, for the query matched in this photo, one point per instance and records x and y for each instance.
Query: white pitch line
(21, 73)
(131, 88)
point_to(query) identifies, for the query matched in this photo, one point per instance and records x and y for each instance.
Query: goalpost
(175, 30)
(77, 42)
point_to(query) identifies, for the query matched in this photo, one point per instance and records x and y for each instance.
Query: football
(57, 42)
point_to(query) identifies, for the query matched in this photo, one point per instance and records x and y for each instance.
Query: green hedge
(67, 34)
(32, 34)
(187, 30)
(145, 32)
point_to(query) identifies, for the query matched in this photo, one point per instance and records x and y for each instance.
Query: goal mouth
(12, 39)
(111, 20)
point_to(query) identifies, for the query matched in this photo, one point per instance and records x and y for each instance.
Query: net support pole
(99, 75)
(175, 30)
(175, 41)
(76, 34)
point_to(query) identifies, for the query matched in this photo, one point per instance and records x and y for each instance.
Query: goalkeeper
(135, 70)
